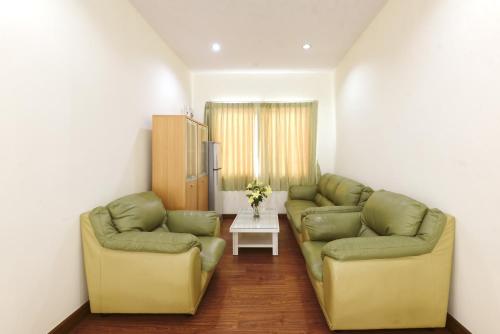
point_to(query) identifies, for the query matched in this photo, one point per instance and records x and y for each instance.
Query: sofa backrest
(323, 181)
(343, 191)
(137, 212)
(348, 192)
(388, 213)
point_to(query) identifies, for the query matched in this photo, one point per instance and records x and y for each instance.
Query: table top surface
(246, 222)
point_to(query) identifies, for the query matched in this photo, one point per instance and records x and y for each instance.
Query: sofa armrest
(331, 225)
(163, 242)
(199, 223)
(302, 192)
(381, 247)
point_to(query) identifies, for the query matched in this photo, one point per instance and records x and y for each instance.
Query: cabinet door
(192, 195)
(202, 150)
(191, 143)
(203, 193)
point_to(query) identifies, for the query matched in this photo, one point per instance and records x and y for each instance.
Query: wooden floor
(254, 292)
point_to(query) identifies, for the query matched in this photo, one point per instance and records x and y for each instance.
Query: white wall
(418, 112)
(271, 86)
(79, 81)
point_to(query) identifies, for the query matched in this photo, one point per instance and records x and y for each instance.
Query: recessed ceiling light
(215, 47)
(306, 46)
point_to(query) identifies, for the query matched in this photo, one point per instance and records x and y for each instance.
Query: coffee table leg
(275, 243)
(235, 243)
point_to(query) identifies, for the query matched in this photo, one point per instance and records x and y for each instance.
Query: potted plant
(256, 192)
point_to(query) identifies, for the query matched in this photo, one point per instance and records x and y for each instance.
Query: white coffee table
(250, 232)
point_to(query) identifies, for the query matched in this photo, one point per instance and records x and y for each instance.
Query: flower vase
(256, 213)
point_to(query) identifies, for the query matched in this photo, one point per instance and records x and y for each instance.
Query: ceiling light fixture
(306, 46)
(215, 47)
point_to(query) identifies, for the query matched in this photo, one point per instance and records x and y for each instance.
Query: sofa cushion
(312, 254)
(328, 226)
(302, 192)
(388, 213)
(321, 200)
(294, 209)
(137, 212)
(199, 223)
(212, 249)
(331, 187)
(323, 182)
(348, 192)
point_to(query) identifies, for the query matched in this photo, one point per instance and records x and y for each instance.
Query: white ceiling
(259, 34)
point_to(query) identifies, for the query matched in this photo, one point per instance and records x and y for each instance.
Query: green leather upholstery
(348, 192)
(306, 193)
(137, 241)
(211, 252)
(137, 212)
(163, 227)
(365, 232)
(199, 223)
(294, 210)
(365, 194)
(432, 226)
(125, 224)
(331, 187)
(312, 255)
(163, 242)
(332, 190)
(321, 200)
(102, 224)
(330, 209)
(405, 227)
(381, 247)
(323, 182)
(388, 213)
(344, 223)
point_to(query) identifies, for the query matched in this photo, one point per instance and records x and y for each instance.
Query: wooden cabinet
(179, 162)
(203, 193)
(202, 151)
(191, 146)
(192, 195)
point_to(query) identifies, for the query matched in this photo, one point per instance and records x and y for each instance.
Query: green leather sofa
(384, 265)
(331, 191)
(140, 258)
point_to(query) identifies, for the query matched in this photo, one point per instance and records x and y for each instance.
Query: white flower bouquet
(256, 192)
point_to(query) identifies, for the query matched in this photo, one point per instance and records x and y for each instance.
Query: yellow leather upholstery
(140, 282)
(407, 292)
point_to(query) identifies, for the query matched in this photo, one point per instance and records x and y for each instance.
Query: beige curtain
(232, 124)
(287, 144)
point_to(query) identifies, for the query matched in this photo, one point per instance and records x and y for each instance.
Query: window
(274, 142)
